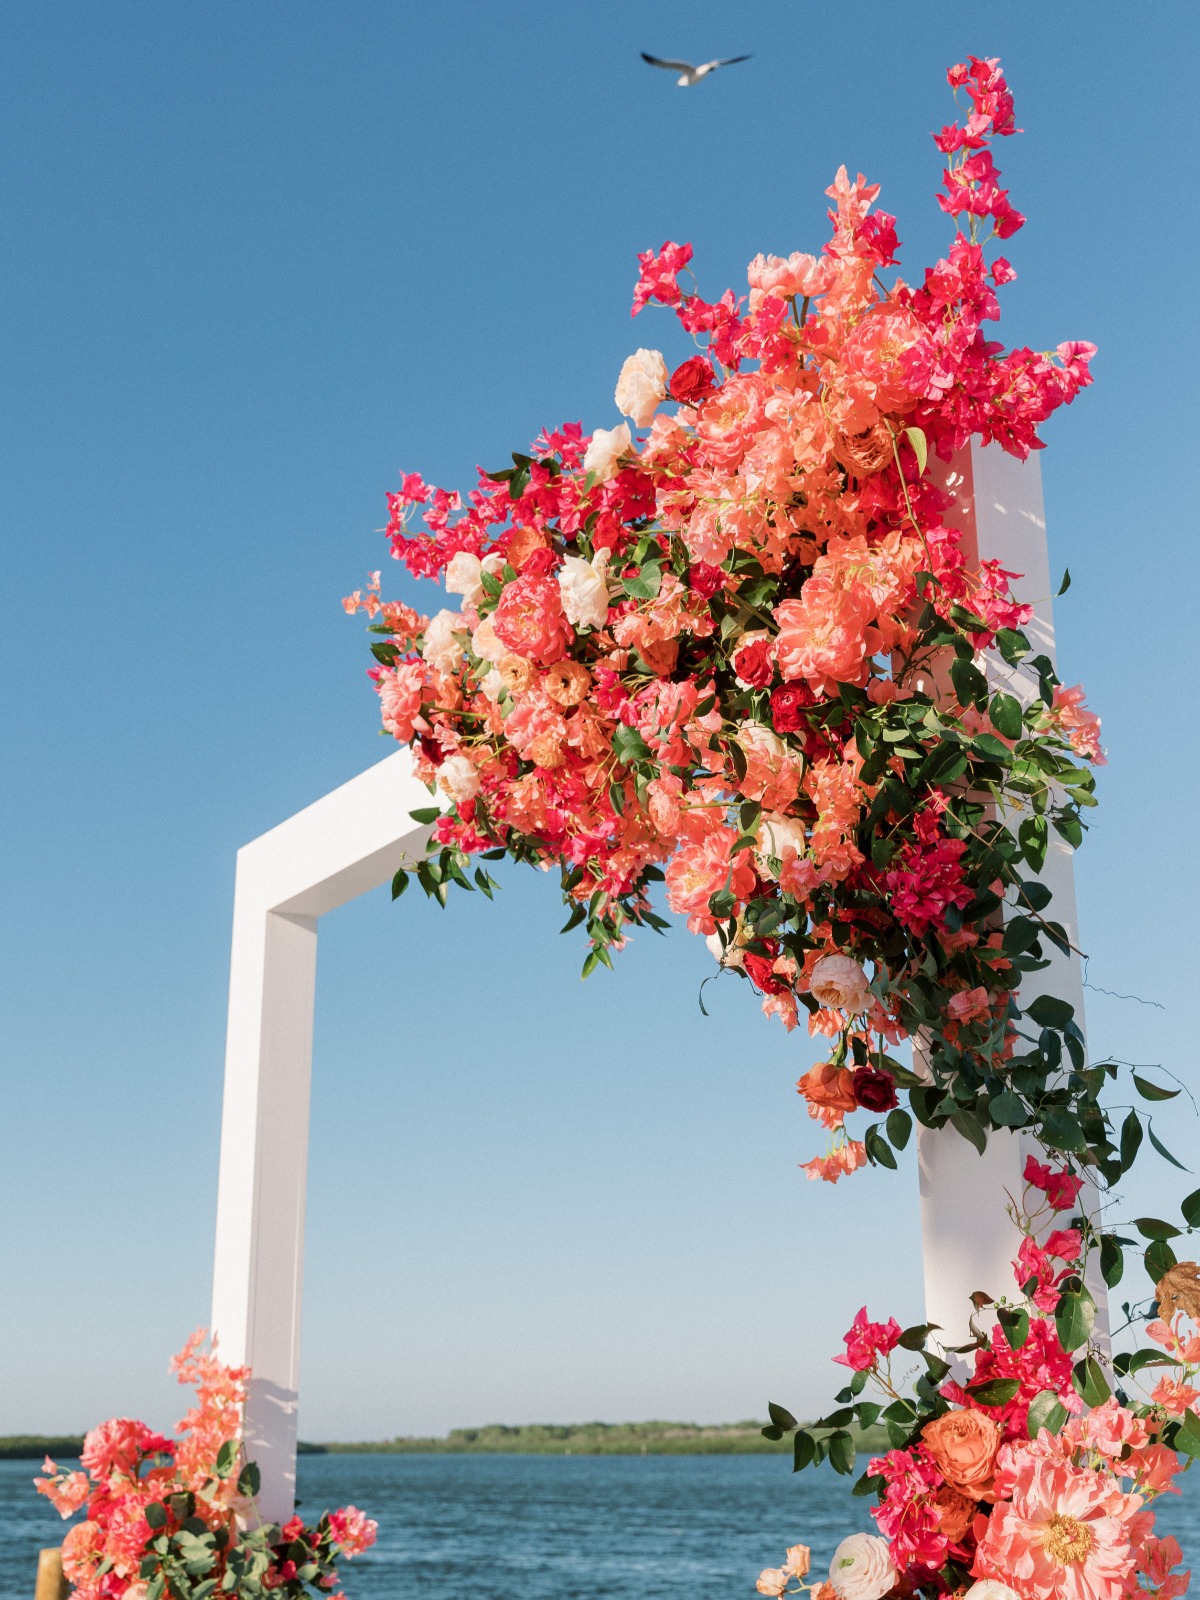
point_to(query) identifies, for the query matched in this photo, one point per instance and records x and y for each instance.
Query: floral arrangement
(744, 652)
(177, 1517)
(1028, 1478)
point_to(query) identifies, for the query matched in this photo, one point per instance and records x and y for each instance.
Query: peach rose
(839, 982)
(963, 1445)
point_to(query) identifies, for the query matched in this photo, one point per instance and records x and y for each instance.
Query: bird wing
(671, 66)
(730, 61)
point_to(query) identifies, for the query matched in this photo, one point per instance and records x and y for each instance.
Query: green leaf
(1012, 645)
(1048, 1012)
(1152, 1228)
(914, 1338)
(1188, 1437)
(1163, 1151)
(647, 582)
(1074, 1317)
(1089, 1382)
(1131, 1140)
(228, 1453)
(1191, 1209)
(781, 1416)
(156, 1514)
(869, 1483)
(616, 797)
(1046, 1411)
(804, 1451)
(1152, 1091)
(995, 1392)
(1159, 1259)
(425, 814)
(1020, 933)
(841, 1452)
(1033, 836)
(970, 685)
(628, 744)
(249, 1480)
(879, 1152)
(399, 884)
(1005, 712)
(1112, 1260)
(899, 1127)
(920, 447)
(971, 1128)
(1066, 581)
(1015, 1323)
(1061, 1131)
(1008, 1110)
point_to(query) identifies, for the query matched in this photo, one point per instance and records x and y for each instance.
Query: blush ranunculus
(963, 1445)
(788, 705)
(529, 619)
(862, 1568)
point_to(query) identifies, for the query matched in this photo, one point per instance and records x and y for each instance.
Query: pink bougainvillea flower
(868, 1341)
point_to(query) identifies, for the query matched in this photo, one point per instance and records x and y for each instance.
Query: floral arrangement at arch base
(176, 1519)
(737, 647)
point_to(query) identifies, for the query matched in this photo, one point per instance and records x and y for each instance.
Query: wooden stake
(51, 1584)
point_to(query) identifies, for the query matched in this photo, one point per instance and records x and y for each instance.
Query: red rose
(787, 704)
(759, 970)
(754, 663)
(431, 750)
(693, 380)
(705, 580)
(874, 1090)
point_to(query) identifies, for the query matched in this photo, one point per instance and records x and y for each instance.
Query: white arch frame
(353, 841)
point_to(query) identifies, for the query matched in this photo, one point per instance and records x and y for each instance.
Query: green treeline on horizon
(583, 1439)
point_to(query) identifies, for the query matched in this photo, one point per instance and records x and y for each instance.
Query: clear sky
(257, 259)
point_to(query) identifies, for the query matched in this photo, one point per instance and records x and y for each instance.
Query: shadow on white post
(968, 1240)
(348, 842)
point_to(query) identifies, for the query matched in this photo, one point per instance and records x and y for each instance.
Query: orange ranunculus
(963, 1445)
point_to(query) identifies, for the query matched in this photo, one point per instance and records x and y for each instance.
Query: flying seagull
(688, 73)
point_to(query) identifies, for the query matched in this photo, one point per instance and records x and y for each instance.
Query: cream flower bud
(604, 451)
(862, 1568)
(642, 386)
(441, 649)
(458, 778)
(583, 587)
(838, 981)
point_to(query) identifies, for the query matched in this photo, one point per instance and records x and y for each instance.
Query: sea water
(515, 1527)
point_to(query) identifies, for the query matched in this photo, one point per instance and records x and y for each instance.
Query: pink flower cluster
(139, 1488)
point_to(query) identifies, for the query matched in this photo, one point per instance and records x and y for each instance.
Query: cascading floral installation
(747, 654)
(176, 1519)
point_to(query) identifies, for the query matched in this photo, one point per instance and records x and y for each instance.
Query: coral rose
(529, 620)
(862, 1568)
(839, 981)
(642, 386)
(829, 1090)
(963, 1446)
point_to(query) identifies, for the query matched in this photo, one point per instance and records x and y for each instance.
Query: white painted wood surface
(352, 841)
(968, 1240)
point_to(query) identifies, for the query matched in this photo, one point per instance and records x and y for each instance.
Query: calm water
(552, 1527)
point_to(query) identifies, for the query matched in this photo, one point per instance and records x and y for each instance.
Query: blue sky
(260, 258)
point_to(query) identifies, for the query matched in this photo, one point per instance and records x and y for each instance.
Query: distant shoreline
(581, 1439)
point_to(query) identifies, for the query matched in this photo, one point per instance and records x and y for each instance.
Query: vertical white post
(351, 841)
(969, 1243)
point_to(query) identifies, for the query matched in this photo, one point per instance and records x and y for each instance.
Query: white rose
(862, 1568)
(777, 833)
(604, 448)
(990, 1589)
(441, 649)
(839, 981)
(462, 577)
(486, 644)
(641, 386)
(583, 586)
(492, 685)
(458, 778)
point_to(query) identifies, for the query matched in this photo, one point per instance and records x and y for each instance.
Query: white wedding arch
(353, 840)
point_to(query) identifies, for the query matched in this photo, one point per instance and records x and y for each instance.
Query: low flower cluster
(745, 652)
(177, 1517)
(1025, 1477)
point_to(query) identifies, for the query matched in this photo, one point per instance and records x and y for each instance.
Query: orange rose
(963, 1445)
(955, 1513)
(829, 1091)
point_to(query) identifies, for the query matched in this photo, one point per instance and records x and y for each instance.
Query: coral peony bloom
(838, 981)
(963, 1446)
(862, 1568)
(602, 459)
(1063, 1535)
(823, 636)
(529, 620)
(642, 386)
